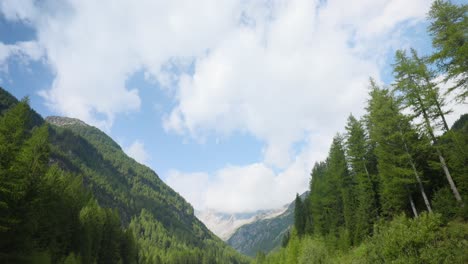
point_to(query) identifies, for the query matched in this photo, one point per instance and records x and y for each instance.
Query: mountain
(163, 223)
(263, 234)
(224, 225)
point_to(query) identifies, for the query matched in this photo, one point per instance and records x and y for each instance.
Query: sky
(231, 102)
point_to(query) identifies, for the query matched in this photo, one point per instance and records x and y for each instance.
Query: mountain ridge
(163, 222)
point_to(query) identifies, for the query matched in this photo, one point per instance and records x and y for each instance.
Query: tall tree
(337, 206)
(357, 147)
(317, 193)
(415, 94)
(448, 29)
(15, 152)
(299, 215)
(396, 174)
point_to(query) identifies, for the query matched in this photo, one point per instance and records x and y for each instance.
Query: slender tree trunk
(441, 114)
(449, 178)
(441, 158)
(421, 187)
(416, 174)
(413, 206)
(367, 172)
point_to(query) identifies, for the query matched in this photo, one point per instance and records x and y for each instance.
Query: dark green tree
(357, 148)
(397, 144)
(299, 216)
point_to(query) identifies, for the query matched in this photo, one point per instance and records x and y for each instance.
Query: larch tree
(415, 94)
(448, 29)
(395, 174)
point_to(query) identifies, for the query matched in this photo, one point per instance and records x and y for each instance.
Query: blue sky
(230, 104)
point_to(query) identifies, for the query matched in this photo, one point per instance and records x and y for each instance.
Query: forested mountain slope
(163, 223)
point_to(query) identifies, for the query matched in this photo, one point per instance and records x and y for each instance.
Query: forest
(394, 186)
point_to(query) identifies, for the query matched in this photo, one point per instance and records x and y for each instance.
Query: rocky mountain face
(64, 121)
(263, 234)
(224, 225)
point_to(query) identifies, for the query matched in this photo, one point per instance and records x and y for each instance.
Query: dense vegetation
(394, 186)
(46, 215)
(68, 194)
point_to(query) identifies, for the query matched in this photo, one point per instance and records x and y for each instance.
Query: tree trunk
(416, 174)
(421, 187)
(449, 178)
(413, 207)
(441, 158)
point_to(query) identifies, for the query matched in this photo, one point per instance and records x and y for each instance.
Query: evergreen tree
(392, 174)
(336, 177)
(357, 147)
(415, 94)
(316, 195)
(448, 27)
(299, 216)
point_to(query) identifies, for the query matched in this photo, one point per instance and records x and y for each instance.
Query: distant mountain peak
(64, 121)
(224, 225)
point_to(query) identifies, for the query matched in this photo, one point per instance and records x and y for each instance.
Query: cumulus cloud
(290, 72)
(93, 47)
(251, 187)
(285, 72)
(137, 151)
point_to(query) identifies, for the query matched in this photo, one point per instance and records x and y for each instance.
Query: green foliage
(362, 212)
(394, 137)
(448, 28)
(162, 222)
(46, 215)
(158, 245)
(285, 240)
(300, 215)
(425, 239)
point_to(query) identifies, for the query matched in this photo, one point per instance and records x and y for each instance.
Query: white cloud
(18, 9)
(292, 73)
(137, 151)
(191, 186)
(282, 71)
(23, 51)
(247, 188)
(93, 47)
(456, 109)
